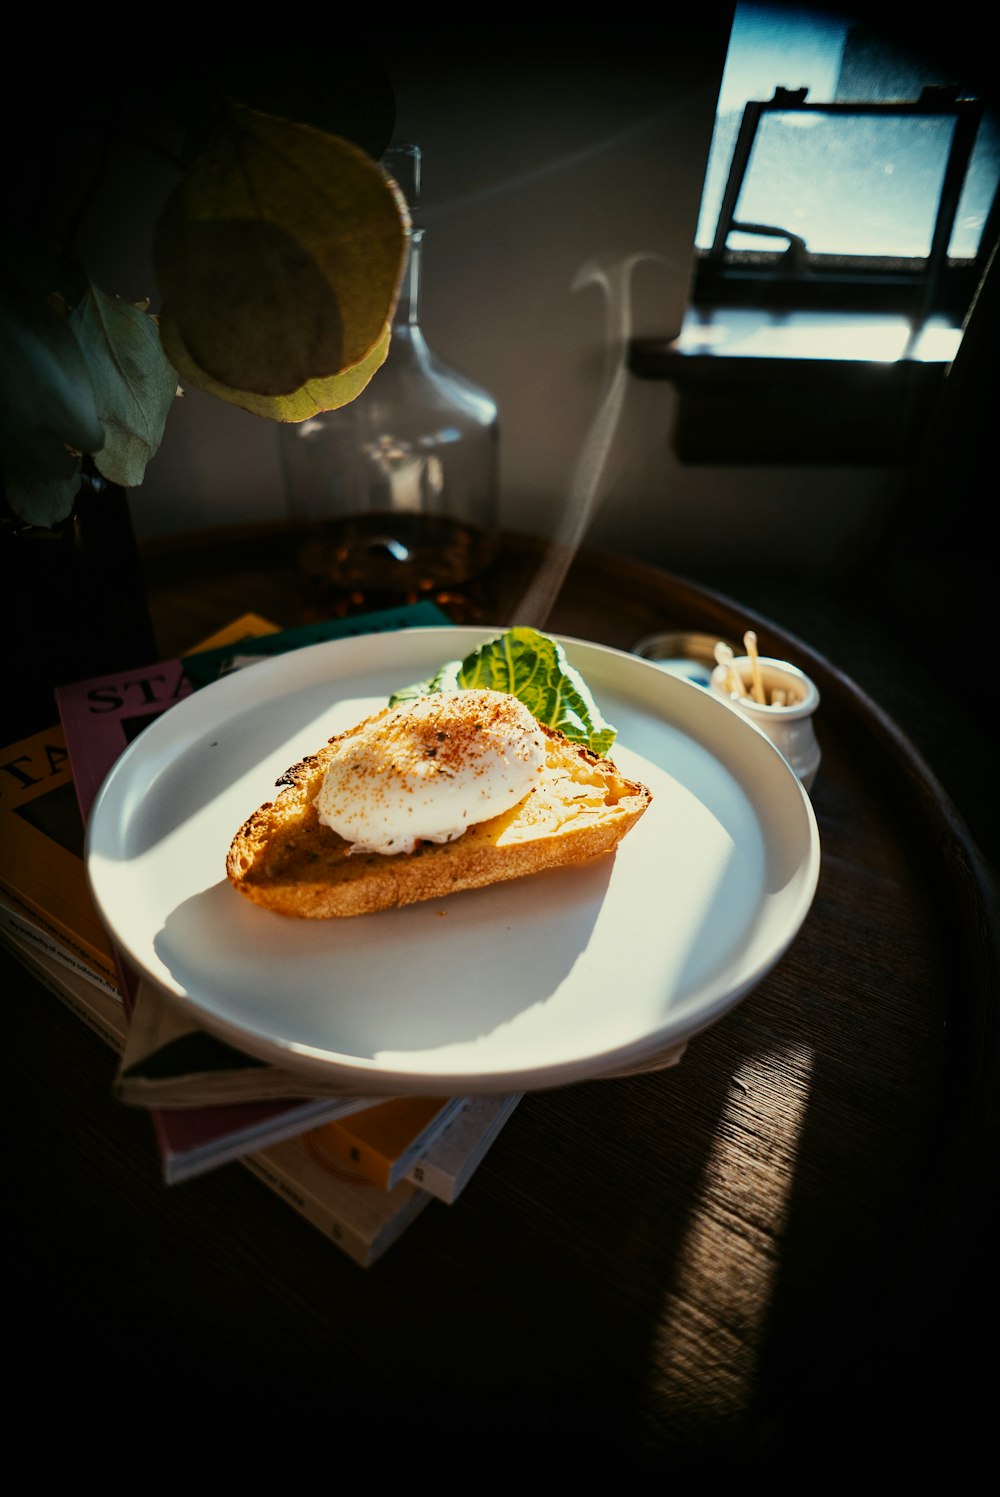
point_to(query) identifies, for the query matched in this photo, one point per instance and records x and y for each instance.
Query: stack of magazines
(359, 1168)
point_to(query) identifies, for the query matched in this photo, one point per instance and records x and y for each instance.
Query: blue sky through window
(845, 185)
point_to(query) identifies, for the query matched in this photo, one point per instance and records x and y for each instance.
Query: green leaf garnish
(532, 667)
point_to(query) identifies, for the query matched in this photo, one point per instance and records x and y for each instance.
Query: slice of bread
(285, 859)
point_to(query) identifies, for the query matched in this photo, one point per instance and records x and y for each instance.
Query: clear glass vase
(398, 489)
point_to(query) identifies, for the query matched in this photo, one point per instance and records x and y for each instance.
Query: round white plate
(544, 980)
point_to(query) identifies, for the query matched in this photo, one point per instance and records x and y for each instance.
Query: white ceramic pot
(789, 725)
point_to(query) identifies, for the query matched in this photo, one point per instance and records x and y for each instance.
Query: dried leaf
(314, 396)
(279, 259)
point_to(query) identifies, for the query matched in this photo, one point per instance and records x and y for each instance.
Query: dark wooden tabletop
(773, 1257)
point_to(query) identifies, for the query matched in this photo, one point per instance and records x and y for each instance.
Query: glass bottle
(398, 489)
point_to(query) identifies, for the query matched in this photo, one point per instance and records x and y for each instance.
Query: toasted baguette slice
(285, 859)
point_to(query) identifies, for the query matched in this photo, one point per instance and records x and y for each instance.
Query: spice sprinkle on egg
(428, 769)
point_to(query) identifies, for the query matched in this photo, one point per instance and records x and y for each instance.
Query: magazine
(169, 1060)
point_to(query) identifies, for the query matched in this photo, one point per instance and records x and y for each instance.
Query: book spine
(345, 1145)
(451, 1160)
(41, 935)
(98, 1010)
(343, 1210)
(194, 1140)
(343, 1233)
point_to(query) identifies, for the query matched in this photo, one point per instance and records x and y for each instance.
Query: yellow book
(381, 1143)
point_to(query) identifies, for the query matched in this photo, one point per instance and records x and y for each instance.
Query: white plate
(549, 979)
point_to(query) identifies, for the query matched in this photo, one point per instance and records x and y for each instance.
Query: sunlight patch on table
(722, 1277)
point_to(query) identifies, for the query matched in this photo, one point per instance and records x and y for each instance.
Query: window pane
(846, 185)
(878, 177)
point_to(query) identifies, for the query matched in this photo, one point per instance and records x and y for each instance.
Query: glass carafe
(398, 489)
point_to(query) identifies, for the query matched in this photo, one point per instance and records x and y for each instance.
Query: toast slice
(285, 859)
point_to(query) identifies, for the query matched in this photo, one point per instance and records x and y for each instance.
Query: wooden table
(776, 1252)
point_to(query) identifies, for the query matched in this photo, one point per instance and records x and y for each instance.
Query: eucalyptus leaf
(48, 412)
(43, 499)
(532, 667)
(134, 383)
(46, 398)
(279, 258)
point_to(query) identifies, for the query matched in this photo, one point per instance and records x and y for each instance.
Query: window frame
(792, 278)
(805, 384)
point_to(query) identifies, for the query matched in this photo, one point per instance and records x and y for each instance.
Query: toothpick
(724, 656)
(750, 643)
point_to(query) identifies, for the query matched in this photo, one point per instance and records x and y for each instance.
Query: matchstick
(724, 656)
(750, 643)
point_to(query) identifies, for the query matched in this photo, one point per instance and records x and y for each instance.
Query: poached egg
(429, 768)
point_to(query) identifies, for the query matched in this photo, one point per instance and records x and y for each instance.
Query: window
(848, 211)
(844, 171)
